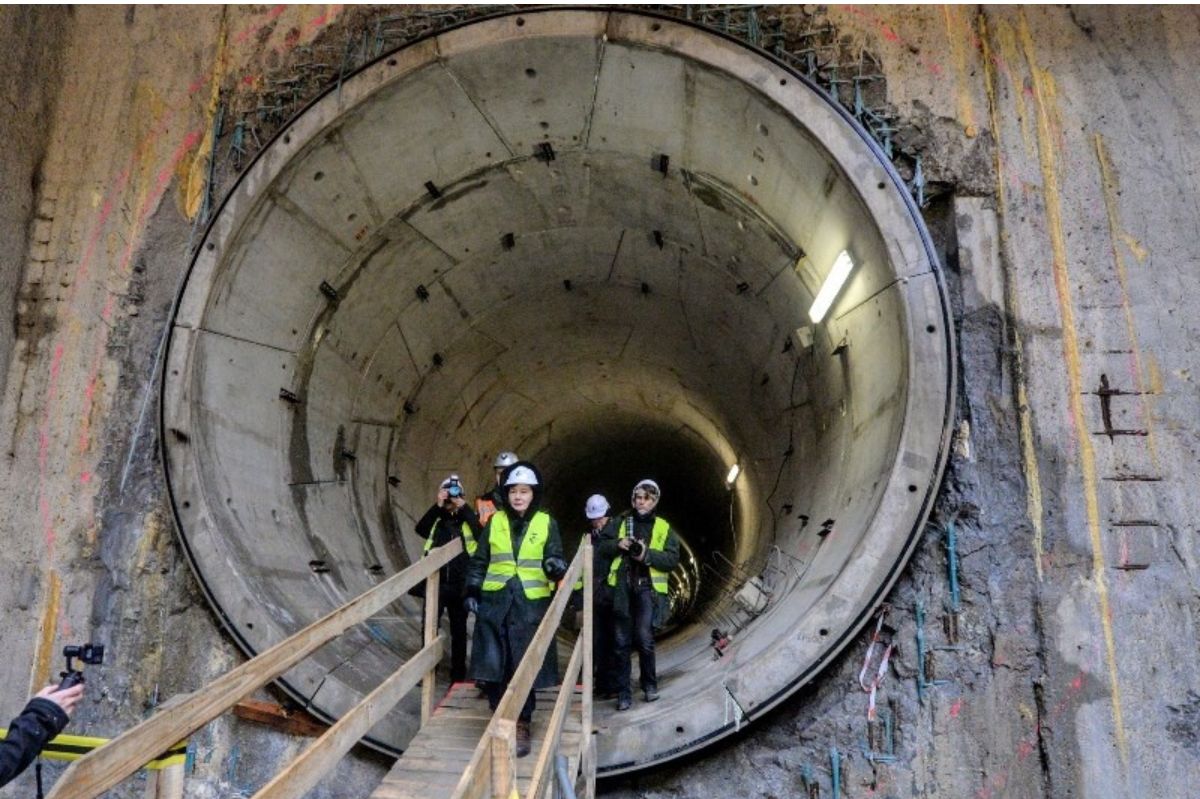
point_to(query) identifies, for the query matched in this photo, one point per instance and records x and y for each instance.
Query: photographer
(43, 718)
(450, 515)
(644, 552)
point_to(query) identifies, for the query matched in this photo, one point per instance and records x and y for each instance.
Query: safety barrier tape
(73, 747)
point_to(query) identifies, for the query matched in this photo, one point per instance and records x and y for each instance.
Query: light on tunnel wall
(830, 288)
(734, 471)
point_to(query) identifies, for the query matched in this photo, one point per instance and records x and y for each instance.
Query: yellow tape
(73, 747)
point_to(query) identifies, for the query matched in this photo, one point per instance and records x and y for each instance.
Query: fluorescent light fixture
(734, 471)
(830, 288)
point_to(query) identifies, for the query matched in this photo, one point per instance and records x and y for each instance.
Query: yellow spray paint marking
(1033, 478)
(1116, 233)
(1011, 55)
(197, 171)
(40, 676)
(956, 32)
(1044, 93)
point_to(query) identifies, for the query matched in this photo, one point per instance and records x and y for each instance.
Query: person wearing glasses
(644, 552)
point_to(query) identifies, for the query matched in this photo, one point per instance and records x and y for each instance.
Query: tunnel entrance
(593, 237)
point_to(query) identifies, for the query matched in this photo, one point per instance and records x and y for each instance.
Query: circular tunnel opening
(592, 237)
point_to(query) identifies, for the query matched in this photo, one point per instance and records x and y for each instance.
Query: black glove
(471, 605)
(554, 568)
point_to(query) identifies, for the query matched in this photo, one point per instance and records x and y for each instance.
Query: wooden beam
(181, 715)
(307, 770)
(296, 722)
(429, 684)
(545, 759)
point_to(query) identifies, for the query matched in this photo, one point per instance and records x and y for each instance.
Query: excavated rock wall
(1059, 151)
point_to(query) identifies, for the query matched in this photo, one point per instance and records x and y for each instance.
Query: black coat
(507, 620)
(40, 721)
(443, 526)
(665, 560)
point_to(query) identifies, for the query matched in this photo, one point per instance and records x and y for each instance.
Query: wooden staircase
(461, 749)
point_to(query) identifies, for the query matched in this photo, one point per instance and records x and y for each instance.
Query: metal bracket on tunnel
(738, 712)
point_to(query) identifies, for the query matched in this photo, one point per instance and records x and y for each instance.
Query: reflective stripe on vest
(527, 565)
(658, 539)
(469, 542)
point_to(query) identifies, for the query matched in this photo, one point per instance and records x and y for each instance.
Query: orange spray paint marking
(162, 181)
(890, 35)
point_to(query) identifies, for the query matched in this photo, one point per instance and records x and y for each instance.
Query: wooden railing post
(586, 750)
(504, 763)
(432, 614)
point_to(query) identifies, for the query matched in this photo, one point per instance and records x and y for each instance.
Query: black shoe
(524, 738)
(624, 703)
(651, 694)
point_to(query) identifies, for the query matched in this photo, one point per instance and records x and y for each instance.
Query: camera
(454, 489)
(91, 654)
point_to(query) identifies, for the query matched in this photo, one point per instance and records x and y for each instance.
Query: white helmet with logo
(521, 475)
(505, 459)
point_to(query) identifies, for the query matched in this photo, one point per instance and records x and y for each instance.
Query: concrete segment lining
(449, 341)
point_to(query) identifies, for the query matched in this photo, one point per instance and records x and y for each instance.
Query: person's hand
(67, 699)
(554, 568)
(640, 554)
(471, 605)
(442, 495)
(624, 544)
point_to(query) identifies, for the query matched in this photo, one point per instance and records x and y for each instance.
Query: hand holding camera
(91, 654)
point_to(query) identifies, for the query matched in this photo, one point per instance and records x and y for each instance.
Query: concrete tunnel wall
(428, 286)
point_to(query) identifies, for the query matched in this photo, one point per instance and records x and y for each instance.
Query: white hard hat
(522, 475)
(505, 459)
(596, 507)
(650, 487)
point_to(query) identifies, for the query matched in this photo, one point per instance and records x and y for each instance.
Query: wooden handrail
(306, 770)
(182, 715)
(492, 761)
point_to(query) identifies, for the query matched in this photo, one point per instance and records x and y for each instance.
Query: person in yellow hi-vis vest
(451, 516)
(510, 579)
(644, 552)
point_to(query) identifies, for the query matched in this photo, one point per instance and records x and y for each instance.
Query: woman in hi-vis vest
(510, 580)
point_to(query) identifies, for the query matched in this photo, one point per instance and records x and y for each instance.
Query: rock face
(1056, 162)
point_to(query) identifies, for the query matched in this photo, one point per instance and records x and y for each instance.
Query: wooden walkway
(436, 758)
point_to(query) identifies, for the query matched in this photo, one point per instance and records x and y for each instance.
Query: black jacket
(40, 721)
(665, 560)
(443, 525)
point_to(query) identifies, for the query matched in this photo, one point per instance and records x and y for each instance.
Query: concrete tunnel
(592, 237)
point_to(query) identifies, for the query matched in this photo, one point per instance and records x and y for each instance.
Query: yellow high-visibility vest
(658, 539)
(469, 542)
(527, 564)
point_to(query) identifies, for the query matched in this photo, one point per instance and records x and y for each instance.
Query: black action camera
(91, 654)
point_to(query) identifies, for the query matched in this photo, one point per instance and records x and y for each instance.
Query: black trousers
(452, 605)
(637, 630)
(604, 646)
